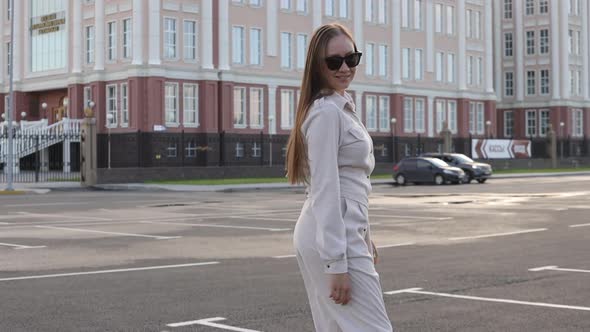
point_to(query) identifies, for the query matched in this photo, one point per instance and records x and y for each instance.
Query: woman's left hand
(375, 253)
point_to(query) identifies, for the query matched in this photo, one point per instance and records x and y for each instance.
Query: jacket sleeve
(323, 139)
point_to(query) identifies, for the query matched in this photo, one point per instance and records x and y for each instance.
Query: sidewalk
(42, 188)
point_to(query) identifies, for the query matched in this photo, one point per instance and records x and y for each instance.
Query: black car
(421, 169)
(473, 170)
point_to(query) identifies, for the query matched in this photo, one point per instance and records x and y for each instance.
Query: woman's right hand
(340, 290)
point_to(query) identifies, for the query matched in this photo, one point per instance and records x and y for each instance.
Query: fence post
(182, 148)
(37, 159)
(222, 148)
(261, 148)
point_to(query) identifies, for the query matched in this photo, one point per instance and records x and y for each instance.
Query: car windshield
(463, 159)
(438, 162)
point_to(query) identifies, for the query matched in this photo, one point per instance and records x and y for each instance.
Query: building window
(570, 44)
(508, 124)
(408, 115)
(383, 60)
(450, 20)
(90, 44)
(545, 81)
(468, 25)
(256, 150)
(476, 118)
(287, 109)
(111, 105)
(451, 68)
(171, 101)
(439, 66)
(255, 47)
(384, 113)
(578, 43)
(127, 40)
(371, 102)
(238, 45)
(256, 107)
(112, 40)
(8, 58)
(171, 150)
(369, 10)
(508, 9)
(544, 41)
(286, 50)
(254, 3)
(579, 82)
(190, 95)
(530, 83)
(124, 105)
(420, 115)
(87, 96)
(370, 64)
(382, 14)
(302, 6)
(509, 84)
(470, 70)
(479, 65)
(530, 42)
(577, 123)
(405, 63)
(572, 83)
(508, 45)
(477, 27)
(418, 14)
(301, 50)
(574, 7)
(343, 8)
(530, 7)
(190, 40)
(452, 115)
(544, 121)
(531, 123)
(330, 7)
(405, 14)
(239, 150)
(543, 6)
(239, 107)
(8, 10)
(418, 65)
(191, 150)
(438, 18)
(286, 5)
(170, 38)
(440, 115)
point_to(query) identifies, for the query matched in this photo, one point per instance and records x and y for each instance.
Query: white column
(154, 27)
(498, 51)
(519, 83)
(358, 103)
(2, 50)
(207, 34)
(272, 108)
(585, 27)
(430, 36)
(77, 30)
(489, 45)
(317, 13)
(554, 38)
(564, 36)
(462, 52)
(17, 48)
(272, 33)
(430, 116)
(99, 35)
(224, 37)
(396, 42)
(137, 28)
(358, 19)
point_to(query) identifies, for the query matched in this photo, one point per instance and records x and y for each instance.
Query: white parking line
(160, 267)
(396, 245)
(410, 217)
(218, 226)
(579, 225)
(284, 256)
(157, 237)
(209, 322)
(20, 246)
(487, 299)
(556, 268)
(262, 218)
(498, 234)
(46, 204)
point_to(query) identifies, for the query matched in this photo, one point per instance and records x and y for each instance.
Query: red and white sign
(500, 149)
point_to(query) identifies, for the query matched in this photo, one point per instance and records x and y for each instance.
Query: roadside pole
(10, 157)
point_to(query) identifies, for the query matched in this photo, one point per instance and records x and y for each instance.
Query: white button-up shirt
(340, 153)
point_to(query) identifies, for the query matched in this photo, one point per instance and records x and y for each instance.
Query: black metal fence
(41, 158)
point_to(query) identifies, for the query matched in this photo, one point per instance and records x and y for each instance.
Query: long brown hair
(311, 85)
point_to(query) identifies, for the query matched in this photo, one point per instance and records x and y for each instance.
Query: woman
(330, 150)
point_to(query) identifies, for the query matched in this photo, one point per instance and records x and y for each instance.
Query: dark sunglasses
(352, 60)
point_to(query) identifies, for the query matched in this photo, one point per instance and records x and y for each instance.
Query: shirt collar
(342, 100)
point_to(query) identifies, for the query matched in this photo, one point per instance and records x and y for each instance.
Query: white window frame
(112, 41)
(438, 18)
(189, 41)
(127, 38)
(508, 44)
(452, 115)
(369, 12)
(451, 68)
(371, 112)
(382, 13)
(544, 122)
(256, 49)
(531, 124)
(383, 60)
(170, 39)
(90, 35)
(450, 20)
(370, 62)
(531, 83)
(406, 64)
(286, 5)
(420, 115)
(124, 105)
(114, 111)
(418, 15)
(545, 82)
(509, 84)
(405, 14)
(301, 50)
(330, 8)
(529, 7)
(441, 114)
(418, 64)
(171, 106)
(343, 11)
(301, 6)
(508, 9)
(440, 60)
(509, 124)
(469, 70)
(239, 150)
(477, 25)
(256, 115)
(286, 50)
(187, 101)
(577, 123)
(468, 23)
(479, 72)
(238, 45)
(408, 111)
(530, 42)
(287, 108)
(543, 6)
(544, 41)
(384, 113)
(239, 107)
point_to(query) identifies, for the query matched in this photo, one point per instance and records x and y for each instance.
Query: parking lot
(508, 255)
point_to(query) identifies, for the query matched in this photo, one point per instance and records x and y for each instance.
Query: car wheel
(400, 179)
(439, 179)
(481, 180)
(468, 178)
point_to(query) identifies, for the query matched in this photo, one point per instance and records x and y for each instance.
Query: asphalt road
(453, 258)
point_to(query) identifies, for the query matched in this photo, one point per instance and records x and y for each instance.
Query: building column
(430, 36)
(224, 35)
(272, 33)
(17, 48)
(585, 27)
(554, 38)
(154, 27)
(519, 83)
(137, 26)
(564, 8)
(395, 43)
(99, 35)
(489, 53)
(207, 33)
(462, 52)
(317, 13)
(272, 109)
(499, 50)
(77, 49)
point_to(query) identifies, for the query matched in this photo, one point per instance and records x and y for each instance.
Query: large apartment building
(220, 74)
